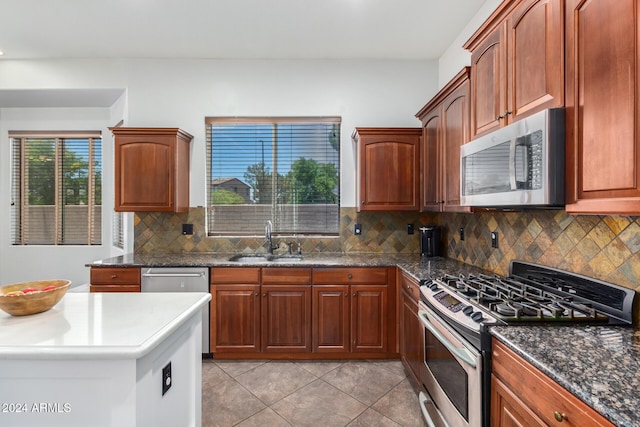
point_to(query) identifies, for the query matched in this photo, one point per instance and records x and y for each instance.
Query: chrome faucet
(268, 229)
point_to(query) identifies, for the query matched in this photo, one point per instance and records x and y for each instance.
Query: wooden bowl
(33, 302)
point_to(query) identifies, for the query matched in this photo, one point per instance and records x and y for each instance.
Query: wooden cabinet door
(509, 411)
(535, 69)
(455, 132)
(330, 319)
(603, 140)
(369, 325)
(431, 134)
(235, 318)
(411, 340)
(388, 168)
(286, 318)
(488, 81)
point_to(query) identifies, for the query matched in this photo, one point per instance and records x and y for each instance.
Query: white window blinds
(286, 170)
(56, 186)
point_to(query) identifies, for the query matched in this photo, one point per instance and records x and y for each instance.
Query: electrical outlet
(187, 229)
(167, 380)
(410, 229)
(461, 233)
(494, 239)
(357, 229)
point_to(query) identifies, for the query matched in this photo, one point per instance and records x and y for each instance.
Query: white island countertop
(98, 326)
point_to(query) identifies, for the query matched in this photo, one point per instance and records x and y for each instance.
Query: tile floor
(308, 393)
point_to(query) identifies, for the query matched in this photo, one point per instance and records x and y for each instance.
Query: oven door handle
(462, 353)
(424, 401)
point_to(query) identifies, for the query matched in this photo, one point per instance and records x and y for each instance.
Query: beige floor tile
(228, 403)
(212, 375)
(370, 418)
(238, 367)
(319, 404)
(265, 418)
(366, 381)
(401, 405)
(274, 380)
(320, 367)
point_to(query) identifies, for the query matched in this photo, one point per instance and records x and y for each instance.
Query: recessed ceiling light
(1, 53)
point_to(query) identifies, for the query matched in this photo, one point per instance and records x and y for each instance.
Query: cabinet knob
(113, 276)
(349, 276)
(499, 117)
(560, 417)
(506, 113)
(346, 294)
(256, 293)
(264, 295)
(354, 294)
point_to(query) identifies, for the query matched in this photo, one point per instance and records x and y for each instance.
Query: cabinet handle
(560, 416)
(506, 113)
(499, 117)
(349, 276)
(114, 276)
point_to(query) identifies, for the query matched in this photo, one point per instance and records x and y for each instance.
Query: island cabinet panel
(517, 63)
(411, 335)
(445, 121)
(151, 169)
(119, 279)
(235, 314)
(522, 395)
(388, 168)
(603, 126)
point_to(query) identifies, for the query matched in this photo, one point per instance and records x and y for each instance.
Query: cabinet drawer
(286, 275)
(114, 288)
(410, 286)
(115, 276)
(366, 275)
(544, 396)
(229, 275)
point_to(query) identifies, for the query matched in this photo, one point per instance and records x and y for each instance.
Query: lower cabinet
(118, 279)
(411, 335)
(332, 312)
(521, 395)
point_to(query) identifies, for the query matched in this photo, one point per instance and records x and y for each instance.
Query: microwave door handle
(462, 353)
(512, 165)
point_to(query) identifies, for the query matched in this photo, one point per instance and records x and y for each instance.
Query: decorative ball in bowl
(22, 299)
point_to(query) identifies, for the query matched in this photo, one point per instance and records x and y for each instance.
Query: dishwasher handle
(172, 274)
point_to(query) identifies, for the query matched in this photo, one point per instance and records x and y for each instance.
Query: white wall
(455, 57)
(182, 93)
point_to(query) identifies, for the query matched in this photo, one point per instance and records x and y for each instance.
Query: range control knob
(477, 316)
(433, 287)
(468, 310)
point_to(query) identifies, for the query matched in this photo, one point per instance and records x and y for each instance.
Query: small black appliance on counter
(430, 241)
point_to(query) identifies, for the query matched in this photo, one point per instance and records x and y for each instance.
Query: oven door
(452, 375)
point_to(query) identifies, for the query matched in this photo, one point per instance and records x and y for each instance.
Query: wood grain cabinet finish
(151, 169)
(119, 279)
(523, 396)
(411, 335)
(602, 88)
(445, 127)
(235, 310)
(361, 320)
(388, 168)
(517, 63)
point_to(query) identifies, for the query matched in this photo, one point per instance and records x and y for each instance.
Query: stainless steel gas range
(456, 313)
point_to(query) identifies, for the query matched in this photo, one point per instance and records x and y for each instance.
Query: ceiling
(232, 29)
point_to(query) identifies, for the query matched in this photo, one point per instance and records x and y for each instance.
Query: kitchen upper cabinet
(517, 63)
(445, 127)
(521, 395)
(151, 169)
(120, 279)
(602, 123)
(235, 310)
(388, 168)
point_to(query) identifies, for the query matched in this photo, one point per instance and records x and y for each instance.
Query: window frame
(19, 222)
(267, 120)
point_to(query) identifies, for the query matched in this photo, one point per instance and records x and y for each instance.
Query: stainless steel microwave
(520, 165)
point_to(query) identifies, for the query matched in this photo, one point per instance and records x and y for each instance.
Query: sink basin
(249, 259)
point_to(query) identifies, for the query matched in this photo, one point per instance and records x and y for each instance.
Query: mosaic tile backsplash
(605, 247)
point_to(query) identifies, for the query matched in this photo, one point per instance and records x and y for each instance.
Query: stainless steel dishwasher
(180, 279)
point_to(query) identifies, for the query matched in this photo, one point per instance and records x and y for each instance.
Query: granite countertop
(98, 326)
(598, 364)
(417, 266)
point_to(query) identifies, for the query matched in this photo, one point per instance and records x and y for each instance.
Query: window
(56, 186)
(286, 170)
(117, 230)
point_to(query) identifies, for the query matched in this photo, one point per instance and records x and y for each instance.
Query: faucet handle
(299, 248)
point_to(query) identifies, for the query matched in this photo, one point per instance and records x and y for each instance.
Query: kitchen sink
(249, 259)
